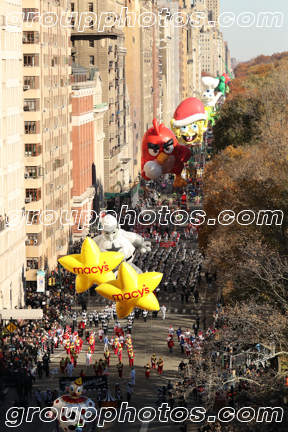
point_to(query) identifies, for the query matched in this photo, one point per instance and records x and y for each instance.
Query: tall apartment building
(195, 85)
(156, 57)
(213, 7)
(12, 192)
(198, 49)
(209, 52)
(106, 50)
(133, 77)
(169, 61)
(186, 45)
(100, 110)
(146, 72)
(228, 57)
(213, 49)
(219, 52)
(47, 135)
(83, 153)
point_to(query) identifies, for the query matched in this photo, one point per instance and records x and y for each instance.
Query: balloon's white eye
(184, 129)
(195, 127)
(169, 149)
(153, 152)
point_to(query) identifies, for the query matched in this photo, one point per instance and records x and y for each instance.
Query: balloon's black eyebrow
(153, 146)
(168, 143)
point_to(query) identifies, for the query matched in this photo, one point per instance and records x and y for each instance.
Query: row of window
(31, 104)
(30, 37)
(32, 150)
(91, 60)
(33, 195)
(29, 14)
(32, 82)
(32, 127)
(90, 7)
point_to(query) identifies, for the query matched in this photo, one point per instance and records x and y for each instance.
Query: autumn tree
(247, 332)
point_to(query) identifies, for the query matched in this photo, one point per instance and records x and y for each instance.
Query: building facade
(169, 61)
(83, 148)
(12, 189)
(47, 136)
(133, 78)
(106, 50)
(213, 7)
(146, 73)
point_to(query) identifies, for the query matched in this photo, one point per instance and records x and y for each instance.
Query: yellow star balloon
(91, 266)
(131, 290)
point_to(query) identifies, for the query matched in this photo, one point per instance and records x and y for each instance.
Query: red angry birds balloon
(161, 154)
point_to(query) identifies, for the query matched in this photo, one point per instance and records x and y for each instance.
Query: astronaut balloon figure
(116, 239)
(161, 154)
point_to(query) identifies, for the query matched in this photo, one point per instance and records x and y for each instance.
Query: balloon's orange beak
(162, 157)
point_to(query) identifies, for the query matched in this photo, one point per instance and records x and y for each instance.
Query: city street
(147, 338)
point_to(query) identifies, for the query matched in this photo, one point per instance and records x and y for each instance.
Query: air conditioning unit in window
(56, 126)
(28, 200)
(46, 130)
(27, 242)
(59, 187)
(56, 85)
(44, 110)
(26, 175)
(55, 43)
(27, 268)
(56, 147)
(35, 242)
(62, 106)
(43, 44)
(26, 87)
(24, 39)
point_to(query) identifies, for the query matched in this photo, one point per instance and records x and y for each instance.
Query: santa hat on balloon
(189, 111)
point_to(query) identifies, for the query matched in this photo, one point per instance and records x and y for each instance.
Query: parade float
(190, 122)
(161, 154)
(91, 266)
(74, 410)
(113, 238)
(129, 290)
(210, 100)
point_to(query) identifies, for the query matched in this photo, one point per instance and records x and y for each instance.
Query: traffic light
(53, 281)
(50, 281)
